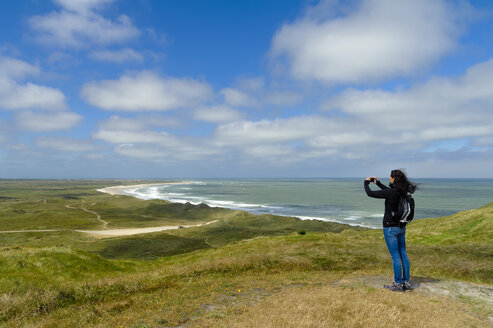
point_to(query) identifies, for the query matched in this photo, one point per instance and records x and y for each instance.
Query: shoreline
(119, 190)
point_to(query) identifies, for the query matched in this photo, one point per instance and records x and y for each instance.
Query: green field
(224, 273)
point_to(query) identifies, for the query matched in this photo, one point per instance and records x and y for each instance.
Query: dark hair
(401, 183)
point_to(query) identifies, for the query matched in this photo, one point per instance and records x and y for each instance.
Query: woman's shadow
(417, 281)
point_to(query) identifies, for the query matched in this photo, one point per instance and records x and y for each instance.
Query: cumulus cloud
(116, 122)
(117, 56)
(132, 136)
(404, 124)
(283, 98)
(255, 92)
(78, 25)
(50, 121)
(440, 108)
(237, 98)
(405, 121)
(290, 139)
(82, 6)
(28, 100)
(217, 114)
(15, 95)
(143, 152)
(376, 40)
(12, 68)
(142, 138)
(65, 144)
(146, 91)
(271, 131)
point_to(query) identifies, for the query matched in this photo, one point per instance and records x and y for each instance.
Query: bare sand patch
(135, 231)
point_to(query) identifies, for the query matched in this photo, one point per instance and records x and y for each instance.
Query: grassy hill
(241, 271)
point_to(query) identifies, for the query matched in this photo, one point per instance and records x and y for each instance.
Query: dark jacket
(392, 198)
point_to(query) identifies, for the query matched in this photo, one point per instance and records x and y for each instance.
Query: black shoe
(394, 287)
(406, 286)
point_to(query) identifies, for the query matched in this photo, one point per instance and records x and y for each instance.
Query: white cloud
(268, 151)
(12, 68)
(378, 39)
(116, 122)
(182, 151)
(238, 98)
(125, 136)
(251, 84)
(117, 56)
(52, 121)
(146, 91)
(65, 144)
(271, 131)
(254, 92)
(14, 95)
(77, 25)
(283, 98)
(144, 152)
(82, 6)
(141, 140)
(217, 114)
(440, 108)
(26, 97)
(293, 139)
(405, 124)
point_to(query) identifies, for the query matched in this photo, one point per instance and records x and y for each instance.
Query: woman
(393, 231)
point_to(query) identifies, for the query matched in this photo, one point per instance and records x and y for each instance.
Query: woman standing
(393, 231)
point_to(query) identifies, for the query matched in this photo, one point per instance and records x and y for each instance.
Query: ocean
(335, 200)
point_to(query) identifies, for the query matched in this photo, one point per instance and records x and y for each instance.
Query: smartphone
(372, 179)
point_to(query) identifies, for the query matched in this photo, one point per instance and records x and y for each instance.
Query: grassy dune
(242, 271)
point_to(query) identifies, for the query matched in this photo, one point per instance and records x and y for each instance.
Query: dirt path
(44, 230)
(98, 217)
(430, 286)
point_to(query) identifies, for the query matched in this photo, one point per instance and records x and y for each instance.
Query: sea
(332, 200)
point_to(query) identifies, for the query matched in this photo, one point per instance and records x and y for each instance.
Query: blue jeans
(395, 238)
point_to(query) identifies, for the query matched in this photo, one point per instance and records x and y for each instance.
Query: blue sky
(211, 89)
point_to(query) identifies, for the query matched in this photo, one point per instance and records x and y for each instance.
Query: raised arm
(381, 185)
(384, 193)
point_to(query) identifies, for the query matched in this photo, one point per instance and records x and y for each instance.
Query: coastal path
(98, 217)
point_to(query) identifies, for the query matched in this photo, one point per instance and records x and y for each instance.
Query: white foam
(158, 192)
(336, 221)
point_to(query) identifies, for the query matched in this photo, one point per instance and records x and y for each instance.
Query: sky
(156, 89)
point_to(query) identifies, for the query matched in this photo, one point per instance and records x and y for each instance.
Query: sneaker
(406, 286)
(394, 287)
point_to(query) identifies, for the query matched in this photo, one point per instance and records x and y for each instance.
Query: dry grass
(331, 306)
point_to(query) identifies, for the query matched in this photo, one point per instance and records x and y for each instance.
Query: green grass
(66, 278)
(149, 246)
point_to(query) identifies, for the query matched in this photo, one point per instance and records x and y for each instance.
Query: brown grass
(333, 306)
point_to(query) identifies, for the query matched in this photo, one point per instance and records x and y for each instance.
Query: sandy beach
(119, 190)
